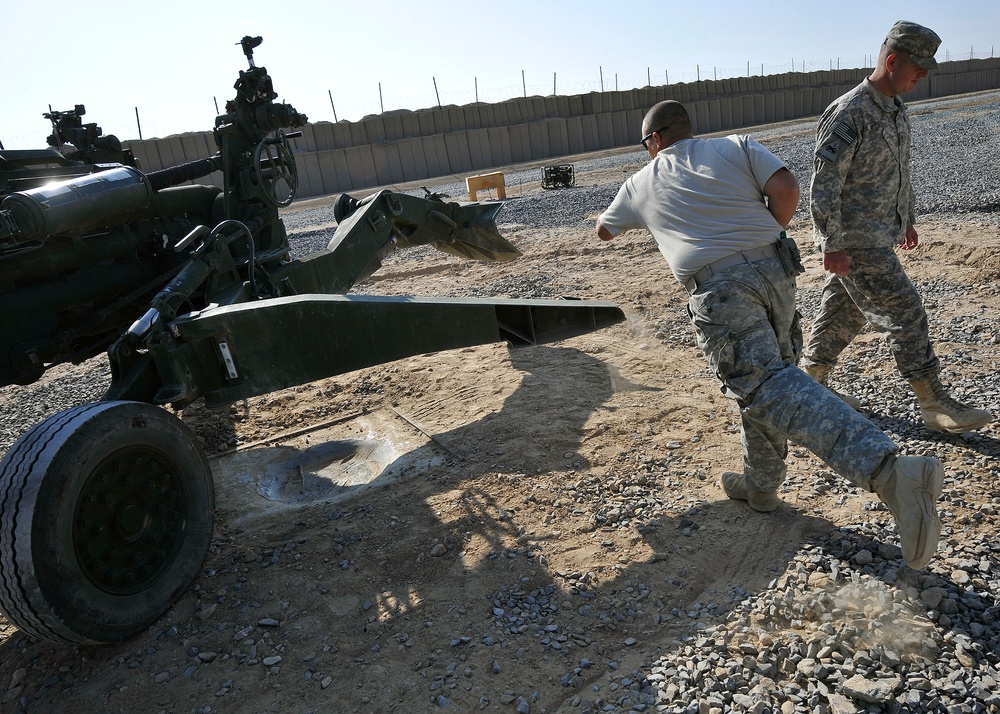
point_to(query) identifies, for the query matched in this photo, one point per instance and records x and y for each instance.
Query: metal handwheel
(275, 169)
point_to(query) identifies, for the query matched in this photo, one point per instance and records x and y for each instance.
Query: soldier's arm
(836, 143)
(782, 191)
(912, 220)
(619, 216)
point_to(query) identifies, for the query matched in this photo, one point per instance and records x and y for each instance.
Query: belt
(747, 256)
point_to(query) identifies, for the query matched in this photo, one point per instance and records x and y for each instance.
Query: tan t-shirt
(701, 199)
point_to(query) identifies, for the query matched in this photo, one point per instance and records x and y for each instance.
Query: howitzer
(106, 508)
(75, 149)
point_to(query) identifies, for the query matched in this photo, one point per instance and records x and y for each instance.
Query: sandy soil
(370, 525)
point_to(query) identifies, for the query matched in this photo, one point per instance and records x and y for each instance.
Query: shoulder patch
(840, 138)
(845, 132)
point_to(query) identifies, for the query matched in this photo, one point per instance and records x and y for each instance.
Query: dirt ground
(378, 533)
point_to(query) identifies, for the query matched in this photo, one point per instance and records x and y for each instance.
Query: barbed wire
(157, 126)
(606, 82)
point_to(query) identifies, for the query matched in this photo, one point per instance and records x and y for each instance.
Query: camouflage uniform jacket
(860, 195)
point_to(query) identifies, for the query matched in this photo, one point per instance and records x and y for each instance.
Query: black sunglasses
(650, 136)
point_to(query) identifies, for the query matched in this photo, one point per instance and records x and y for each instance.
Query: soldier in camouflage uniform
(728, 249)
(862, 205)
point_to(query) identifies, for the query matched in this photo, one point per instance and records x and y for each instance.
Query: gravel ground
(950, 169)
(845, 660)
(816, 639)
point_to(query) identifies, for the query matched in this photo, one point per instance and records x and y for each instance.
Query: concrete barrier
(456, 118)
(374, 130)
(480, 156)
(435, 155)
(592, 104)
(456, 145)
(341, 135)
(574, 135)
(554, 106)
(626, 130)
(306, 142)
(171, 151)
(425, 124)
(330, 167)
(715, 114)
(311, 176)
(574, 106)
(361, 166)
(514, 112)
(321, 134)
(409, 146)
(358, 134)
(387, 162)
(472, 118)
(197, 146)
(411, 159)
(520, 143)
(538, 140)
(591, 136)
(605, 130)
(558, 138)
(145, 154)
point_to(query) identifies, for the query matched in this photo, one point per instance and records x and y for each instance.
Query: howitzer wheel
(105, 520)
(275, 169)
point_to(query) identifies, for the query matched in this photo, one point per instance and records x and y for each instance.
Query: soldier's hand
(837, 262)
(909, 241)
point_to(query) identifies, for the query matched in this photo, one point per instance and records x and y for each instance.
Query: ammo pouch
(788, 254)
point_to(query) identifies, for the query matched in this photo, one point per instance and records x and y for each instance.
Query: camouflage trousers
(878, 291)
(748, 329)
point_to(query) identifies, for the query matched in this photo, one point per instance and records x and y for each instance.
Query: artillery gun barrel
(82, 203)
(176, 175)
(76, 205)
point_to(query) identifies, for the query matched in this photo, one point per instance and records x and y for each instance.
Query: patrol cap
(919, 42)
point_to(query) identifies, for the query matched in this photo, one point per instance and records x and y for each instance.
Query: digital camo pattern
(748, 329)
(875, 290)
(860, 194)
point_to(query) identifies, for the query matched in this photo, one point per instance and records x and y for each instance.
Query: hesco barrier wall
(403, 146)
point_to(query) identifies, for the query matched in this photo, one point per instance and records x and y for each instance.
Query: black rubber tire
(106, 515)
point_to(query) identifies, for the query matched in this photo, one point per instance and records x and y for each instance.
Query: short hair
(668, 113)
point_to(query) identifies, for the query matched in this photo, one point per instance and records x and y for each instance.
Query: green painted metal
(193, 293)
(160, 274)
(230, 353)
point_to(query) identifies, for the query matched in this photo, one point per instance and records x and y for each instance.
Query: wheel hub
(129, 522)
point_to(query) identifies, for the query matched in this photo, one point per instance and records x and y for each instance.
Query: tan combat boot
(942, 412)
(821, 373)
(911, 491)
(735, 485)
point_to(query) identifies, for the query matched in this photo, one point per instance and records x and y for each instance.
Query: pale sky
(173, 61)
